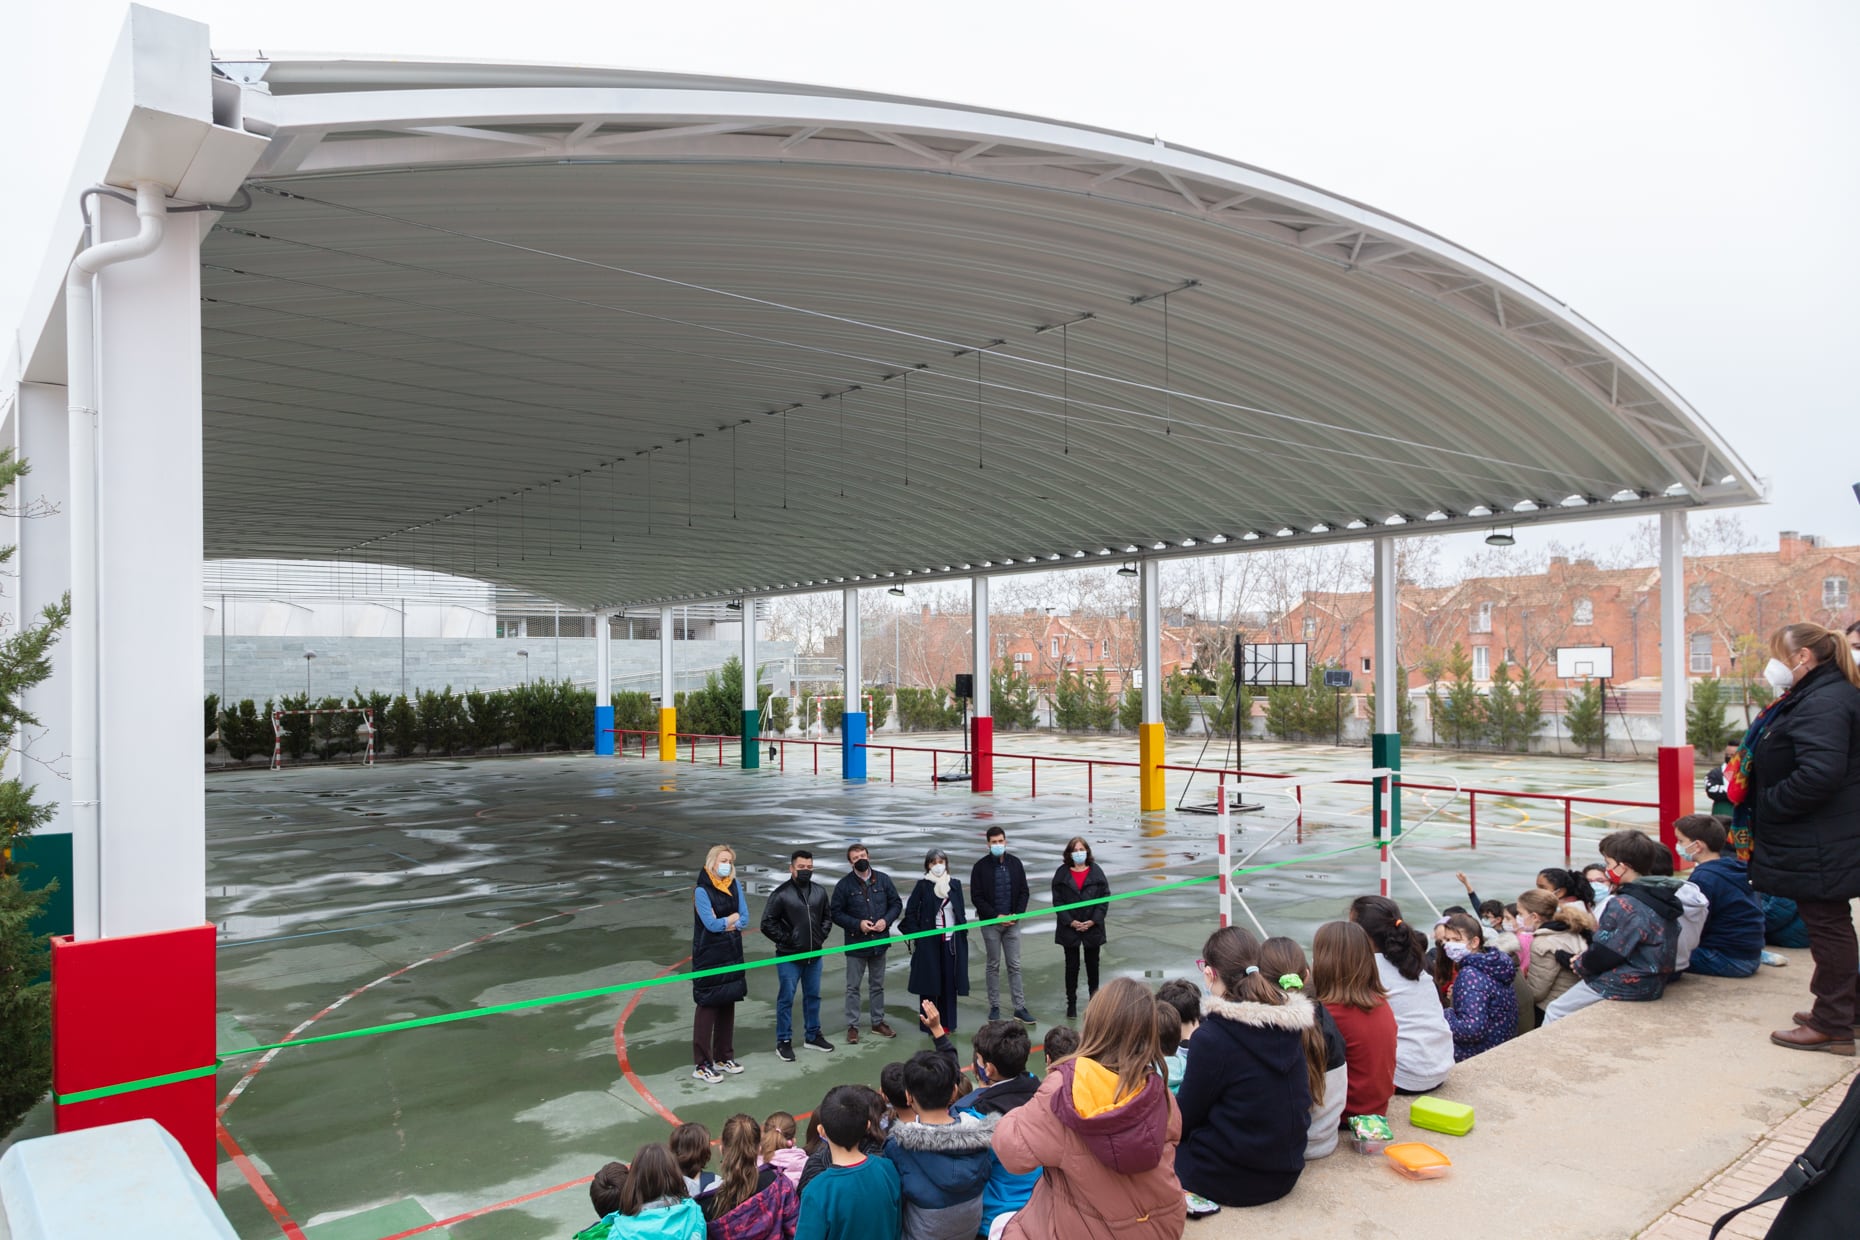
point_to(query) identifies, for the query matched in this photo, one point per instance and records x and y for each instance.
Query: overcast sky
(1685, 175)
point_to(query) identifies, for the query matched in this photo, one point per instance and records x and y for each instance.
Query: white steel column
(1150, 731)
(604, 738)
(852, 717)
(151, 841)
(981, 668)
(752, 696)
(1391, 685)
(44, 560)
(1673, 643)
(668, 694)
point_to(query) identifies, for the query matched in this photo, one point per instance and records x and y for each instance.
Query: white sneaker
(706, 1073)
(1775, 959)
(728, 1065)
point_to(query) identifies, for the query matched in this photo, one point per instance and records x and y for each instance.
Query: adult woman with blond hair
(719, 911)
(1795, 781)
(1102, 1131)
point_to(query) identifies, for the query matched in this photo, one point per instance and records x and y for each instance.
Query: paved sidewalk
(1692, 1218)
(1595, 1127)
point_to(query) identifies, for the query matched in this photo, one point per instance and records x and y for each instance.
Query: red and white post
(1222, 855)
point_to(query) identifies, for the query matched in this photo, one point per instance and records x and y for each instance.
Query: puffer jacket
(1006, 1191)
(1693, 909)
(942, 1169)
(661, 1220)
(1246, 1101)
(767, 1215)
(1805, 792)
(1107, 1166)
(1636, 939)
(1547, 978)
(1485, 1007)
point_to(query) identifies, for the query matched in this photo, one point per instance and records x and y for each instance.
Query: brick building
(1039, 645)
(1733, 602)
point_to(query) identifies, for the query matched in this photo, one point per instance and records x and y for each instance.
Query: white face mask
(1456, 950)
(938, 870)
(1778, 674)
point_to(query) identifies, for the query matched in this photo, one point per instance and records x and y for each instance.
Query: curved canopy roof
(623, 338)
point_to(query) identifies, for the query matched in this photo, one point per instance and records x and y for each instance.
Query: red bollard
(1472, 816)
(1035, 768)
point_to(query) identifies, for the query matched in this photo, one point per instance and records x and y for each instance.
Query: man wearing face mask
(939, 962)
(865, 905)
(796, 919)
(998, 885)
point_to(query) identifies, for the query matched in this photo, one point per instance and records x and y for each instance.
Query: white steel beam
(1674, 683)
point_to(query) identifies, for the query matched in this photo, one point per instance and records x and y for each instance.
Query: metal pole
(403, 647)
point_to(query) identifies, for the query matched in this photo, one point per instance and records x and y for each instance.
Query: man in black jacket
(796, 919)
(998, 888)
(865, 904)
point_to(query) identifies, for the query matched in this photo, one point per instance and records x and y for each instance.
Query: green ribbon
(598, 992)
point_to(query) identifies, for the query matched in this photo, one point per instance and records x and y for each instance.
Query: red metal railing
(1568, 800)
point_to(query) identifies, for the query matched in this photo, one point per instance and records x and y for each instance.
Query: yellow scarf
(724, 886)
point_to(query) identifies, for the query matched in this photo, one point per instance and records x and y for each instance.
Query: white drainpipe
(81, 380)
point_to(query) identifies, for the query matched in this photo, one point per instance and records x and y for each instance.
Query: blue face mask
(723, 869)
(997, 849)
(1078, 856)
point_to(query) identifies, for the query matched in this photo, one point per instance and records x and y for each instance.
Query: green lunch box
(1438, 1115)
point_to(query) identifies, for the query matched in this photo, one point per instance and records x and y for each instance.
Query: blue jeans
(806, 975)
(1716, 964)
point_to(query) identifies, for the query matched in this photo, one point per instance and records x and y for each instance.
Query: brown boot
(852, 1033)
(1802, 1018)
(884, 1030)
(1803, 1038)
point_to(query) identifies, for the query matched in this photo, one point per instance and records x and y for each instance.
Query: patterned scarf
(1737, 774)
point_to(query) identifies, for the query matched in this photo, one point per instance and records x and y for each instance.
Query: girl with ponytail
(1327, 1063)
(1795, 785)
(1246, 1098)
(1423, 1042)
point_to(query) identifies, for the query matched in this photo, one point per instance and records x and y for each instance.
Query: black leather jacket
(795, 920)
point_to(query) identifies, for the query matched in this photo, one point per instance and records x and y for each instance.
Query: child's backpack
(1820, 1187)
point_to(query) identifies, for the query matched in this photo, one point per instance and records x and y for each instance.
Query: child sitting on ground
(654, 1205)
(1327, 1064)
(1001, 1053)
(1346, 985)
(1551, 928)
(1635, 935)
(1185, 997)
(605, 1191)
(778, 1148)
(943, 1160)
(1059, 1042)
(690, 1146)
(1484, 1011)
(1731, 942)
(858, 1195)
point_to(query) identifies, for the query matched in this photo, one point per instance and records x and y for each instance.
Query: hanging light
(1497, 539)
(1129, 569)
(896, 591)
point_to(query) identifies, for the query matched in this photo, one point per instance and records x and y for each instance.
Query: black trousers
(713, 1034)
(1090, 951)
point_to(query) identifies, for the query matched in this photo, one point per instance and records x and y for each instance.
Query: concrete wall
(268, 667)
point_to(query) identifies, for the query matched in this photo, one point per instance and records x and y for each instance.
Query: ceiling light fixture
(1497, 539)
(896, 591)
(1129, 569)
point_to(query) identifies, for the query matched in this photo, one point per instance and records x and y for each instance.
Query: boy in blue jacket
(1002, 1049)
(943, 1160)
(1731, 945)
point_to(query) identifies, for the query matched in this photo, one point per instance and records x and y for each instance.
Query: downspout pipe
(81, 388)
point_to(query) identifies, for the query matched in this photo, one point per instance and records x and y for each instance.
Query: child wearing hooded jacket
(1636, 935)
(943, 1159)
(1246, 1100)
(1103, 1129)
(1002, 1049)
(1485, 1007)
(1550, 928)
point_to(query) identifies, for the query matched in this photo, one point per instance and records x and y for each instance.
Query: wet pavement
(350, 897)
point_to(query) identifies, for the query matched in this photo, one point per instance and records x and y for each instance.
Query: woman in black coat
(1080, 930)
(1800, 770)
(939, 966)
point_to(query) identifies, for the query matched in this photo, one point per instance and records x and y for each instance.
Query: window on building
(1482, 662)
(1698, 599)
(1834, 593)
(1583, 614)
(1310, 627)
(1365, 665)
(1508, 658)
(1482, 619)
(1088, 650)
(1701, 653)
(1055, 647)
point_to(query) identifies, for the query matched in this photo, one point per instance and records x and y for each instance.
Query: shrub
(400, 730)
(779, 716)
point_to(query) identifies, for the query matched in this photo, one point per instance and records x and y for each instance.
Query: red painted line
(626, 1067)
(483, 1210)
(269, 1199)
